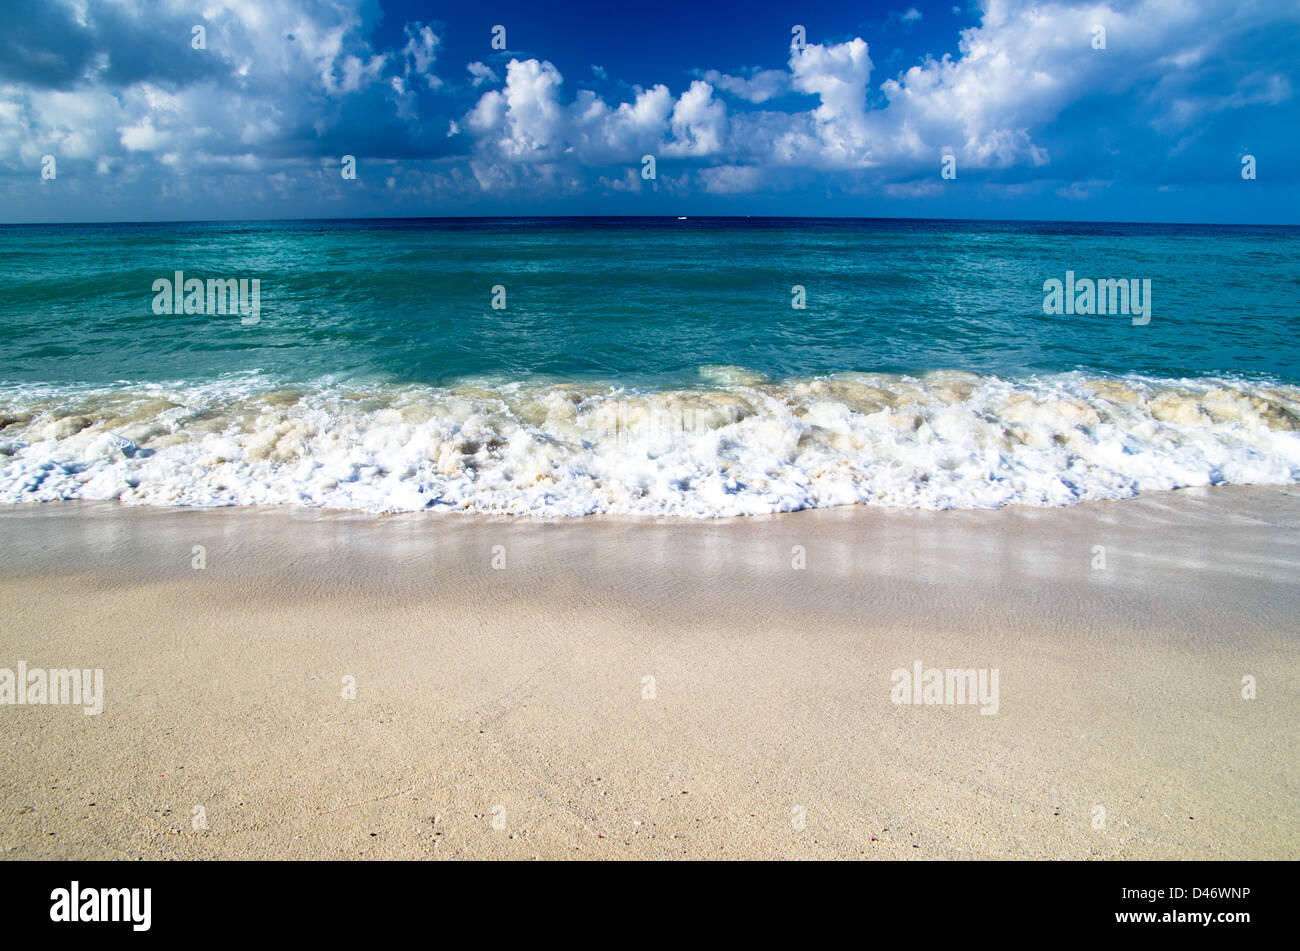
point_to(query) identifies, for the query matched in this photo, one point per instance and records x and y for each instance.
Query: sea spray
(942, 440)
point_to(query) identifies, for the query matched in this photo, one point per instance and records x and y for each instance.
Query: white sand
(519, 692)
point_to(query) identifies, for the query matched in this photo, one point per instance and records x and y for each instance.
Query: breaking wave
(739, 445)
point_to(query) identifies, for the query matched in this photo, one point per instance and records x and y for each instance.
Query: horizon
(655, 217)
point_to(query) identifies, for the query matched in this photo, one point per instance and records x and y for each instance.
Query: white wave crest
(741, 447)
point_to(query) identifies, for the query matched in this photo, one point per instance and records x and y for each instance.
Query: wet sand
(503, 706)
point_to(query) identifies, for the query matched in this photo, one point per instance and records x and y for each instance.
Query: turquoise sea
(652, 366)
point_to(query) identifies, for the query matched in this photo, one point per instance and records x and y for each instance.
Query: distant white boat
(681, 217)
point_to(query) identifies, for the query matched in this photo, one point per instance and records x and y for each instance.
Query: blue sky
(109, 112)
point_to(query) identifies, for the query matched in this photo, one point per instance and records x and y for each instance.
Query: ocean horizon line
(659, 217)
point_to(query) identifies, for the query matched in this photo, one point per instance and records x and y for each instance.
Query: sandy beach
(650, 688)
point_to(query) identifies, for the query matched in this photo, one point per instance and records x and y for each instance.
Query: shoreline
(518, 693)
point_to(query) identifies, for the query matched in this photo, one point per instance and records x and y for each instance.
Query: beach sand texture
(505, 712)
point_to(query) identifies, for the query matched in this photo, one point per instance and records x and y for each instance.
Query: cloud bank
(143, 103)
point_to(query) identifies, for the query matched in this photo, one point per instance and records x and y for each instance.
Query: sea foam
(738, 446)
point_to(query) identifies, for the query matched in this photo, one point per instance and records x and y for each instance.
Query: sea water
(706, 367)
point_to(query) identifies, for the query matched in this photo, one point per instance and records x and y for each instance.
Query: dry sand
(519, 694)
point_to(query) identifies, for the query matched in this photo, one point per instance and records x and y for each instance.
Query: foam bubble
(742, 446)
